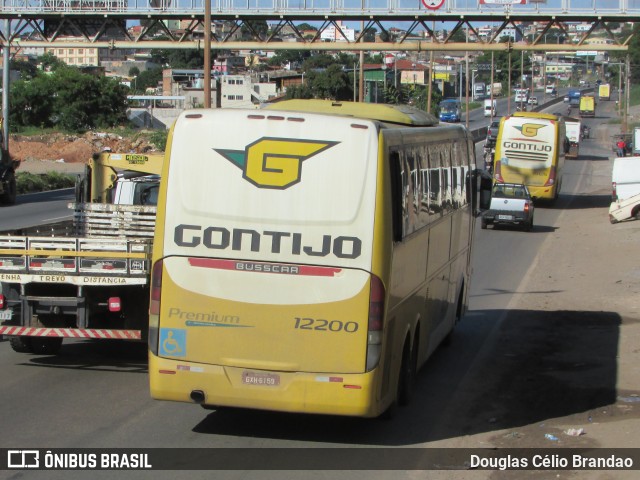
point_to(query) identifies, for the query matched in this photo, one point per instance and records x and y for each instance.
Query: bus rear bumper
(299, 392)
(542, 193)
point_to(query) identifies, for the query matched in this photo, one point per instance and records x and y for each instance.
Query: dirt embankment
(68, 153)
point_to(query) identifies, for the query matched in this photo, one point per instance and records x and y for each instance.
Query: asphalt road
(510, 373)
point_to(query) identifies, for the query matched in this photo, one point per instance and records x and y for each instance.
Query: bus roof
(545, 116)
(399, 114)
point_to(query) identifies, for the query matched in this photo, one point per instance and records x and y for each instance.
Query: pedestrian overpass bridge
(73, 23)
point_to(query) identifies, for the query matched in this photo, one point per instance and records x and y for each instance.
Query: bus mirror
(485, 199)
(481, 185)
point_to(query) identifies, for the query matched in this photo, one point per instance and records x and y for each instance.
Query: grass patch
(31, 183)
(159, 139)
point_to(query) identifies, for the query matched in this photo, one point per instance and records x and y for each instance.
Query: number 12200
(325, 325)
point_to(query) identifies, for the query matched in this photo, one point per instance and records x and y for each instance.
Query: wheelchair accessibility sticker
(173, 342)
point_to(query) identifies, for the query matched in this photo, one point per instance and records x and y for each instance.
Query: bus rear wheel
(407, 380)
(46, 345)
(21, 344)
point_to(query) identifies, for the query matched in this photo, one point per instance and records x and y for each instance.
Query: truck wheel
(9, 196)
(46, 345)
(21, 344)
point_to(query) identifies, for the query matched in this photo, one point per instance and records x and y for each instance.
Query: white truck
(494, 89)
(573, 127)
(490, 108)
(521, 95)
(479, 89)
(625, 182)
(511, 204)
(88, 278)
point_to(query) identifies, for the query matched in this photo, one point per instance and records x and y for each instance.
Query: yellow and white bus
(308, 257)
(530, 149)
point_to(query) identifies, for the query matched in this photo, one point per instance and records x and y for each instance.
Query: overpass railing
(425, 9)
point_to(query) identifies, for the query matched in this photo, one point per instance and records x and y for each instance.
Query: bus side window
(398, 209)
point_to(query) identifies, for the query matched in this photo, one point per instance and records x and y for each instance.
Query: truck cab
(138, 190)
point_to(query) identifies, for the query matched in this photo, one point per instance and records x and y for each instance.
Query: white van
(489, 108)
(625, 182)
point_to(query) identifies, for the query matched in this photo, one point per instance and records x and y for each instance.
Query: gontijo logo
(274, 162)
(529, 129)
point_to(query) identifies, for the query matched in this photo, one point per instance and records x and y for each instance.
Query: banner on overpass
(503, 2)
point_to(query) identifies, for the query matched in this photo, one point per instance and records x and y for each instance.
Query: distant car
(533, 101)
(566, 99)
(511, 204)
(492, 133)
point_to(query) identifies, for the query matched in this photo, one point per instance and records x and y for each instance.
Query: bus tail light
(376, 323)
(497, 174)
(154, 306)
(2, 301)
(614, 193)
(115, 304)
(552, 177)
(156, 288)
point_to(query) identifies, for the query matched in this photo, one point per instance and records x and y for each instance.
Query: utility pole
(429, 90)
(466, 80)
(207, 53)
(509, 86)
(491, 87)
(6, 53)
(619, 90)
(627, 90)
(361, 79)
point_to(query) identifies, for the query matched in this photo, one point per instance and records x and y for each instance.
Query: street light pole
(627, 95)
(509, 86)
(619, 88)
(491, 87)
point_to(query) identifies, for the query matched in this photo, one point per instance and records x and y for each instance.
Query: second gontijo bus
(530, 150)
(309, 257)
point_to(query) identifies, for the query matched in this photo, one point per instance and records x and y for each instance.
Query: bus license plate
(6, 314)
(261, 379)
(505, 217)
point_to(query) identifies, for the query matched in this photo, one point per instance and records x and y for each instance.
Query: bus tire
(407, 377)
(46, 345)
(391, 412)
(21, 344)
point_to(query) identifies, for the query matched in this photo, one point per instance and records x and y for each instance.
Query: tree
(50, 62)
(285, 57)
(298, 92)
(69, 99)
(134, 71)
(318, 61)
(27, 70)
(254, 28)
(330, 83)
(149, 79)
(305, 26)
(180, 58)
